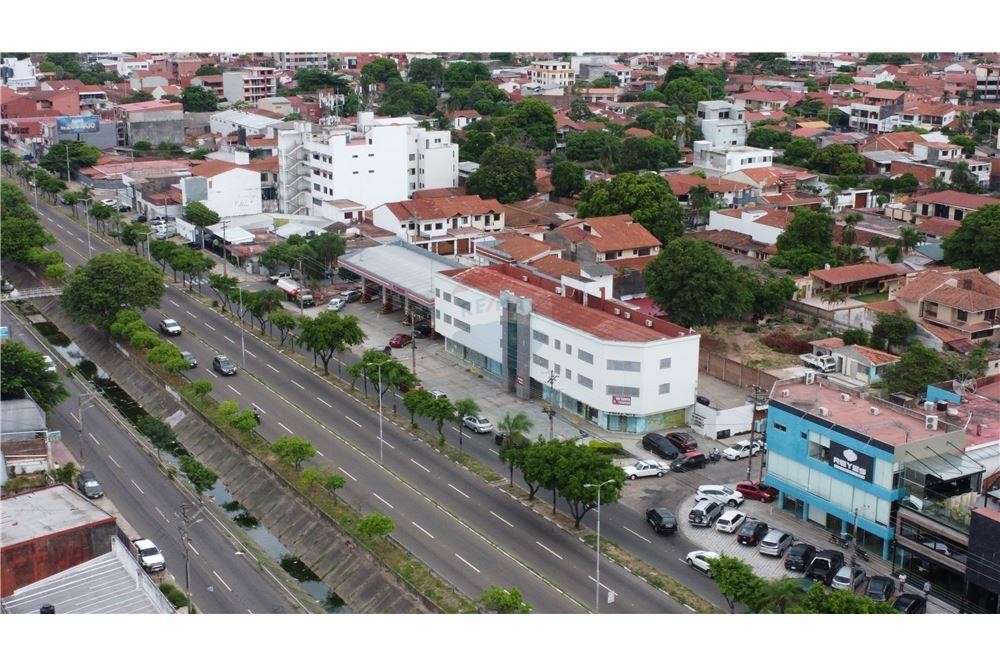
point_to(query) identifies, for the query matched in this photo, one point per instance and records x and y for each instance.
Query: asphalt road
(223, 580)
(473, 535)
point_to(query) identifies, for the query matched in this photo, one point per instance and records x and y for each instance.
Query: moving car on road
(741, 450)
(170, 327)
(190, 358)
(400, 340)
(730, 521)
(223, 366)
(647, 468)
(336, 303)
(88, 485)
(757, 491)
(662, 520)
(751, 531)
(722, 494)
(477, 423)
(149, 556)
(699, 561)
(775, 543)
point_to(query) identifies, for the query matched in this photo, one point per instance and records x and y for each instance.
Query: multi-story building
(877, 111)
(228, 188)
(127, 66)
(988, 81)
(593, 357)
(382, 160)
(250, 84)
(722, 123)
(727, 159)
(18, 74)
(296, 60)
(154, 121)
(443, 225)
(952, 309)
(551, 73)
(604, 239)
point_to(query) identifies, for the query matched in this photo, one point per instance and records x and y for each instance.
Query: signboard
(621, 400)
(520, 380)
(55, 436)
(852, 462)
(78, 124)
(4, 332)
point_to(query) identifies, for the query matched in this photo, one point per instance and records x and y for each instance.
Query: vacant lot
(732, 341)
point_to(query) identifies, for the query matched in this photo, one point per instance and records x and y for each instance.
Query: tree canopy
(199, 98)
(567, 179)
(918, 367)
(807, 242)
(531, 123)
(311, 79)
(24, 373)
(976, 242)
(380, 70)
(109, 283)
(505, 173)
(402, 99)
(328, 333)
(646, 197)
(428, 71)
(293, 449)
(652, 154)
(504, 601)
(80, 155)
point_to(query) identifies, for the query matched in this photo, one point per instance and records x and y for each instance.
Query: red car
(400, 340)
(684, 442)
(757, 491)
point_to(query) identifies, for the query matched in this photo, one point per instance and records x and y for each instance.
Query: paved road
(222, 580)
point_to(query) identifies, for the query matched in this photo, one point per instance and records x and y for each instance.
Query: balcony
(943, 488)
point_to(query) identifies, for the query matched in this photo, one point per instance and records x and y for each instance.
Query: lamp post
(597, 588)
(380, 441)
(86, 210)
(243, 348)
(187, 520)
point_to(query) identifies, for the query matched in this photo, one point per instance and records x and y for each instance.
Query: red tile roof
(517, 248)
(877, 357)
(443, 207)
(613, 233)
(210, 168)
(940, 227)
(980, 294)
(556, 267)
(159, 105)
(853, 273)
(958, 199)
(681, 184)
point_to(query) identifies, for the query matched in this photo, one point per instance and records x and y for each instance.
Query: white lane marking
(460, 491)
(347, 473)
(285, 427)
(501, 518)
(258, 407)
(549, 550)
(272, 368)
(637, 534)
(96, 441)
(75, 236)
(50, 220)
(191, 314)
(693, 610)
(494, 451)
(323, 402)
(251, 353)
(160, 512)
(420, 466)
(296, 384)
(209, 326)
(75, 417)
(229, 339)
(420, 528)
(383, 500)
(468, 563)
(137, 486)
(387, 444)
(353, 422)
(455, 429)
(234, 389)
(249, 611)
(320, 453)
(193, 549)
(113, 461)
(174, 302)
(602, 586)
(220, 579)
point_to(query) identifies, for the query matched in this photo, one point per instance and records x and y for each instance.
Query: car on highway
(477, 423)
(751, 531)
(50, 365)
(400, 340)
(336, 303)
(908, 603)
(149, 556)
(170, 327)
(684, 442)
(730, 521)
(190, 358)
(825, 565)
(223, 366)
(775, 543)
(88, 485)
(662, 520)
(699, 561)
(689, 461)
(849, 578)
(757, 491)
(705, 513)
(720, 493)
(658, 444)
(741, 450)
(647, 468)
(798, 556)
(880, 588)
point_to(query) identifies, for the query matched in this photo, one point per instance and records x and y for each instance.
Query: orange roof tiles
(958, 199)
(210, 168)
(556, 266)
(877, 357)
(613, 233)
(443, 207)
(853, 273)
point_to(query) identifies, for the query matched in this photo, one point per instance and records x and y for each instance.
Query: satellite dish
(964, 387)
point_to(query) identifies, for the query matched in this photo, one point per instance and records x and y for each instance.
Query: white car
(730, 521)
(437, 393)
(50, 365)
(699, 561)
(113, 203)
(149, 556)
(477, 423)
(336, 303)
(741, 450)
(170, 327)
(719, 493)
(647, 468)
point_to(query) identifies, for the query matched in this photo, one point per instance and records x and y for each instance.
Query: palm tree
(876, 244)
(465, 407)
(909, 238)
(513, 428)
(689, 130)
(831, 196)
(937, 184)
(667, 128)
(702, 201)
(781, 594)
(834, 296)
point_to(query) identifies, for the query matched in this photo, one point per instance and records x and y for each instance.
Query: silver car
(477, 423)
(775, 543)
(849, 578)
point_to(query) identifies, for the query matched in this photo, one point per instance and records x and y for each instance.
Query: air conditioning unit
(825, 412)
(810, 377)
(618, 311)
(649, 323)
(846, 398)
(875, 411)
(785, 393)
(628, 316)
(931, 422)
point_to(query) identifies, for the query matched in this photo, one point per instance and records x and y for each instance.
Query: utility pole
(758, 410)
(68, 179)
(302, 283)
(552, 410)
(243, 348)
(225, 272)
(413, 339)
(188, 519)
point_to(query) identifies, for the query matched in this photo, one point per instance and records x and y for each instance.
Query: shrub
(751, 328)
(173, 594)
(201, 388)
(606, 448)
(781, 340)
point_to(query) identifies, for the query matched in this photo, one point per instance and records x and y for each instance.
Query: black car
(824, 565)
(424, 330)
(799, 556)
(654, 442)
(880, 588)
(689, 461)
(908, 603)
(88, 485)
(223, 365)
(190, 358)
(751, 531)
(685, 442)
(662, 520)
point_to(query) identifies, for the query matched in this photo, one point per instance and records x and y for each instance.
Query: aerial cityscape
(550, 333)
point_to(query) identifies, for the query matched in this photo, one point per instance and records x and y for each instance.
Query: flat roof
(34, 514)
(401, 267)
(19, 417)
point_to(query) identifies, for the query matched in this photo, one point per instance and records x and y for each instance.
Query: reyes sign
(78, 124)
(852, 462)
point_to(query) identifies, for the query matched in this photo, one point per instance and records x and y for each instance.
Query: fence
(734, 372)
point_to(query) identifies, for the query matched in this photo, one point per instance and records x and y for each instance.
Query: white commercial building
(596, 358)
(723, 160)
(382, 160)
(551, 73)
(227, 188)
(18, 74)
(233, 120)
(296, 60)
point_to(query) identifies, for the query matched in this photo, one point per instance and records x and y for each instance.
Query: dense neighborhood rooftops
(515, 247)
(556, 267)
(957, 199)
(610, 233)
(152, 105)
(443, 207)
(967, 290)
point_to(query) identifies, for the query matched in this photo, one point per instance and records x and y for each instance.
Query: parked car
(477, 423)
(757, 491)
(424, 330)
(149, 556)
(170, 327)
(351, 295)
(741, 450)
(880, 588)
(908, 603)
(658, 444)
(799, 556)
(6, 286)
(113, 203)
(223, 366)
(705, 513)
(699, 561)
(730, 521)
(825, 565)
(647, 468)
(190, 358)
(723, 494)
(50, 365)
(849, 578)
(336, 303)
(662, 520)
(775, 543)
(437, 393)
(689, 461)
(400, 340)
(751, 531)
(88, 485)
(684, 442)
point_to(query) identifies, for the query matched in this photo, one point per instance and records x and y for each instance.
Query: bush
(173, 594)
(751, 328)
(606, 448)
(781, 340)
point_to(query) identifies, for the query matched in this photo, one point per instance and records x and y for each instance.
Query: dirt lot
(732, 341)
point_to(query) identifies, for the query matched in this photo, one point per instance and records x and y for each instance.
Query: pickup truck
(149, 556)
(825, 363)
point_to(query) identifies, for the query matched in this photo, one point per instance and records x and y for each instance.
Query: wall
(757, 231)
(734, 372)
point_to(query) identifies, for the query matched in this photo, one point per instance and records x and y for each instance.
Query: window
(355, 157)
(556, 343)
(437, 290)
(462, 303)
(437, 314)
(447, 297)
(540, 337)
(447, 318)
(665, 388)
(464, 326)
(569, 374)
(413, 157)
(540, 361)
(569, 349)
(557, 369)
(962, 315)
(354, 172)
(585, 381)
(930, 309)
(585, 356)
(819, 447)
(371, 171)
(316, 187)
(664, 363)
(617, 365)
(781, 427)
(612, 390)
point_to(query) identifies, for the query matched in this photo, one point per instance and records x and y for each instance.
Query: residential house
(230, 189)
(602, 239)
(511, 248)
(762, 225)
(127, 66)
(952, 308)
(443, 225)
(863, 364)
(856, 279)
(462, 117)
(725, 160)
(730, 193)
(877, 111)
(949, 204)
(756, 100)
(988, 81)
(722, 123)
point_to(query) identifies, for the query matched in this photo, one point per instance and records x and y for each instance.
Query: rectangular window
(447, 296)
(556, 343)
(437, 290)
(569, 374)
(437, 314)
(569, 349)
(664, 363)
(557, 369)
(464, 326)
(819, 447)
(779, 426)
(413, 157)
(962, 315)
(463, 304)
(665, 388)
(618, 365)
(540, 337)
(585, 381)
(447, 318)
(541, 361)
(585, 356)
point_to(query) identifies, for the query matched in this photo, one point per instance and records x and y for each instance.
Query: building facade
(296, 60)
(250, 84)
(551, 73)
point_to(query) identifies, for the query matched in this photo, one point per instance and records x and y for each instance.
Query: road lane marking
(347, 473)
(297, 384)
(637, 534)
(549, 550)
(468, 563)
(285, 427)
(383, 500)
(113, 460)
(174, 302)
(501, 518)
(220, 579)
(387, 444)
(272, 368)
(494, 451)
(234, 389)
(160, 512)
(320, 453)
(191, 314)
(137, 486)
(323, 402)
(229, 339)
(249, 611)
(420, 466)
(692, 609)
(603, 586)
(193, 549)
(251, 353)
(96, 441)
(209, 326)
(460, 491)
(50, 220)
(353, 422)
(258, 407)
(420, 528)
(453, 428)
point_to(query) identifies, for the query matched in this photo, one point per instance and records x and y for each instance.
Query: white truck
(149, 556)
(296, 292)
(825, 363)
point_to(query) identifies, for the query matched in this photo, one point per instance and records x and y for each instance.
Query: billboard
(78, 124)
(852, 462)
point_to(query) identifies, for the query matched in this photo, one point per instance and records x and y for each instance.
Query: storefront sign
(621, 400)
(852, 462)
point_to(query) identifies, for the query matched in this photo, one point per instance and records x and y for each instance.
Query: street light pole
(380, 440)
(597, 588)
(243, 349)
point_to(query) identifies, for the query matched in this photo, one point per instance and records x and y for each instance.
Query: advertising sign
(78, 124)
(621, 400)
(852, 462)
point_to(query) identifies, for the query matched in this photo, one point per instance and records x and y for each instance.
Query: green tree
(579, 110)
(375, 525)
(513, 428)
(976, 242)
(20, 233)
(798, 151)
(567, 179)
(108, 283)
(167, 355)
(894, 328)
(137, 96)
(224, 286)
(645, 197)
(80, 155)
(838, 159)
(201, 476)
(593, 145)
(769, 293)
(652, 154)
(918, 367)
(208, 70)
(498, 600)
(462, 408)
(200, 216)
(439, 410)
(685, 94)
(505, 173)
(820, 601)
(201, 388)
(807, 242)
(909, 238)
(702, 201)
(328, 333)
(199, 98)
(401, 99)
(414, 401)
(766, 136)
(579, 470)
(475, 145)
(428, 71)
(285, 323)
(134, 236)
(380, 70)
(694, 284)
(327, 248)
(530, 122)
(463, 75)
(25, 372)
(963, 180)
(855, 337)
(737, 582)
(293, 449)
(311, 79)
(781, 595)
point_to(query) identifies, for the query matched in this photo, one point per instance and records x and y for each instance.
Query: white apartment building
(551, 73)
(382, 160)
(722, 123)
(250, 84)
(296, 60)
(229, 189)
(127, 66)
(878, 111)
(988, 81)
(723, 160)
(18, 74)
(598, 359)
